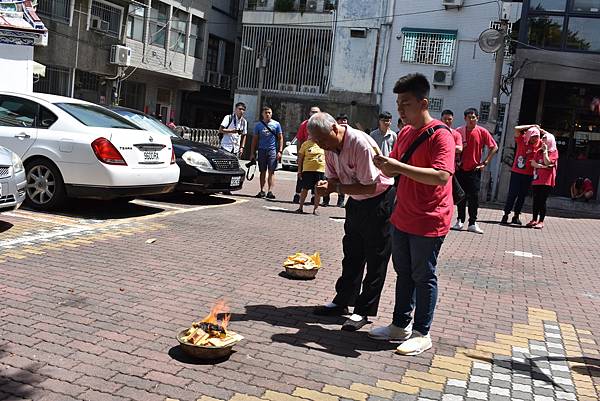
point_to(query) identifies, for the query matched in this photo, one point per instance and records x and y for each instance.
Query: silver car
(12, 180)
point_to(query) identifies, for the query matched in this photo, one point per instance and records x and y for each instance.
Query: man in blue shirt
(268, 137)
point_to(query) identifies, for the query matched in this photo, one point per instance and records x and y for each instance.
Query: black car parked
(204, 168)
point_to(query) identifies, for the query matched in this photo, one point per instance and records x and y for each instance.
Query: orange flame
(220, 307)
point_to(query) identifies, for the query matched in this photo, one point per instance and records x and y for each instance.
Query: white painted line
(523, 254)
(276, 208)
(156, 205)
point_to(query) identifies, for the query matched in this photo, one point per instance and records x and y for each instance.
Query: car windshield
(145, 121)
(96, 116)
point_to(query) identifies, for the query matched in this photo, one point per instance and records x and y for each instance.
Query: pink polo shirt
(354, 163)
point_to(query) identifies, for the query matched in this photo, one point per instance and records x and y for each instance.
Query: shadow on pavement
(287, 276)
(5, 226)
(102, 210)
(310, 334)
(20, 382)
(179, 355)
(190, 198)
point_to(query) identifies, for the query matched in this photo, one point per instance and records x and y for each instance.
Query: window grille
(108, 13)
(57, 81)
(59, 10)
(424, 47)
(484, 111)
(297, 61)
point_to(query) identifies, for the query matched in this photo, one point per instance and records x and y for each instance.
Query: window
(428, 47)
(196, 37)
(584, 34)
(484, 111)
(59, 10)
(548, 5)
(47, 118)
(545, 31)
(108, 13)
(212, 56)
(159, 16)
(586, 6)
(17, 112)
(179, 22)
(135, 24)
(95, 116)
(57, 81)
(436, 104)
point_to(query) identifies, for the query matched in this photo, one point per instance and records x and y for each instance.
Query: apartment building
(556, 83)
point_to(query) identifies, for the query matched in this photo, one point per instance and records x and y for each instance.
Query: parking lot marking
(157, 205)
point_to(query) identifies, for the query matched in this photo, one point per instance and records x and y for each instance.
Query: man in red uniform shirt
(422, 215)
(301, 137)
(475, 139)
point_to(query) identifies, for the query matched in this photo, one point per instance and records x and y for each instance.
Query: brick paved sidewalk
(94, 316)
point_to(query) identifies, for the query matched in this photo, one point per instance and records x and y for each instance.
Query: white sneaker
(391, 333)
(474, 228)
(417, 344)
(458, 226)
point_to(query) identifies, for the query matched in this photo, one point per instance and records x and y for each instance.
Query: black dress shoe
(351, 325)
(323, 310)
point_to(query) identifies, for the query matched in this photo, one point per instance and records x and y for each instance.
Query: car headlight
(17, 163)
(195, 159)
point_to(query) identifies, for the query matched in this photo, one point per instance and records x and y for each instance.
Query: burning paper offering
(212, 330)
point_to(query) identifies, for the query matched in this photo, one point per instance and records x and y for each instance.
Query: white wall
(473, 69)
(16, 68)
(354, 58)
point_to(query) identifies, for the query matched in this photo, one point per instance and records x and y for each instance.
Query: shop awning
(39, 69)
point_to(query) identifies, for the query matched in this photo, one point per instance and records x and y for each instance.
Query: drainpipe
(387, 28)
(76, 52)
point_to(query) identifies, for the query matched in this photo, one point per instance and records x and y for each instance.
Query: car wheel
(45, 187)
(284, 167)
(123, 200)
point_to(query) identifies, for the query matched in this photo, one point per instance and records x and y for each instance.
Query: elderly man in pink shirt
(367, 234)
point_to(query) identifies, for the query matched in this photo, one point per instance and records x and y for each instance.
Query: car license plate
(235, 181)
(150, 156)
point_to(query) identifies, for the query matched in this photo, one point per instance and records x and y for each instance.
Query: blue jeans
(415, 259)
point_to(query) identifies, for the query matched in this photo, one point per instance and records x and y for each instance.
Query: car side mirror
(288, 143)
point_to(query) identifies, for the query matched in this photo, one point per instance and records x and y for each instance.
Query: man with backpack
(268, 138)
(423, 158)
(233, 130)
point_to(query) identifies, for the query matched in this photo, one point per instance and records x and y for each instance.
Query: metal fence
(203, 135)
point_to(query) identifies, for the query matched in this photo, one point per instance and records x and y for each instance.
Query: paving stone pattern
(89, 309)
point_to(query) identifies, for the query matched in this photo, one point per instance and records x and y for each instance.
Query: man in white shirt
(234, 129)
(383, 135)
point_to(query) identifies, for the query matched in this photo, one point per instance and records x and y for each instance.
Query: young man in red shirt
(475, 139)
(422, 215)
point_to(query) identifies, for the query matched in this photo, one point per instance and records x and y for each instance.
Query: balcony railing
(292, 5)
(218, 80)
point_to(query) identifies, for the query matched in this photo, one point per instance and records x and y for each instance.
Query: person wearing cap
(383, 135)
(475, 139)
(527, 142)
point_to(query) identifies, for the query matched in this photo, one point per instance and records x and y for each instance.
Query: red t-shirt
(587, 185)
(458, 142)
(524, 153)
(424, 210)
(473, 144)
(545, 176)
(302, 134)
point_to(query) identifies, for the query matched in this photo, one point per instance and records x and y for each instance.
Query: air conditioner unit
(98, 24)
(120, 55)
(358, 32)
(309, 88)
(506, 10)
(286, 87)
(452, 3)
(311, 5)
(442, 77)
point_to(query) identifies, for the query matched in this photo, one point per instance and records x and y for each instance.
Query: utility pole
(261, 64)
(495, 105)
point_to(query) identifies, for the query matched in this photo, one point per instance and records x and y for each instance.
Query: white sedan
(12, 180)
(289, 157)
(72, 148)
